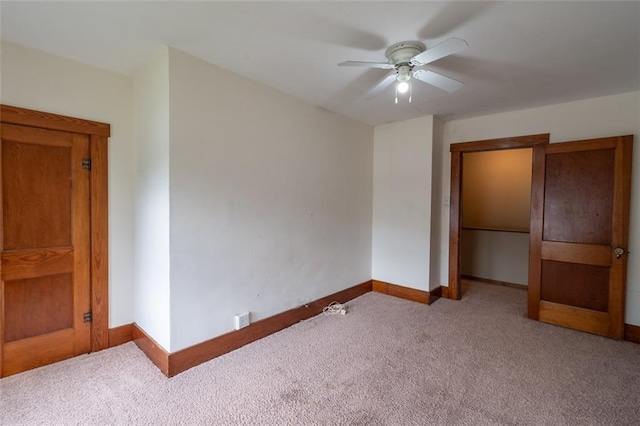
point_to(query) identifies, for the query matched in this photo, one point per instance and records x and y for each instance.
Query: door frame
(455, 201)
(98, 134)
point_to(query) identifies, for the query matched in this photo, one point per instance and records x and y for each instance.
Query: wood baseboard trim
(151, 349)
(445, 292)
(402, 292)
(490, 281)
(180, 361)
(202, 352)
(120, 335)
(632, 333)
(435, 294)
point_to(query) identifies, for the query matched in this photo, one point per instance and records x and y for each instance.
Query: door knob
(619, 252)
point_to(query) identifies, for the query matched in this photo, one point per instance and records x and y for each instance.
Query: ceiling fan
(405, 57)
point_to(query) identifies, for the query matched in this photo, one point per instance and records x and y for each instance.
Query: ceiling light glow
(403, 86)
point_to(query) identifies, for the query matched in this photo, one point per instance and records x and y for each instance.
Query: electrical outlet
(242, 320)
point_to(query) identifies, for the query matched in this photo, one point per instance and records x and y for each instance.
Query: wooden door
(579, 230)
(46, 246)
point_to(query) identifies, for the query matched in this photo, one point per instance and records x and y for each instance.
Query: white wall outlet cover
(242, 320)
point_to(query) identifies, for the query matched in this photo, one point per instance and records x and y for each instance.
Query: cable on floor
(335, 308)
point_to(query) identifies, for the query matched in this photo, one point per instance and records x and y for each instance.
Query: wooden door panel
(36, 306)
(583, 286)
(45, 247)
(578, 203)
(580, 207)
(36, 197)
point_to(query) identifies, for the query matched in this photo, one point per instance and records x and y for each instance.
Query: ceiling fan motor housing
(403, 52)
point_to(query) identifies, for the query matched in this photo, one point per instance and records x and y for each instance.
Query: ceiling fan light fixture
(404, 74)
(407, 55)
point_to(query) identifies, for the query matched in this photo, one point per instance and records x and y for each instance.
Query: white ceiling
(520, 55)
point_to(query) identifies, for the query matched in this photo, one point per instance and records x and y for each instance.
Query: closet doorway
(496, 207)
(458, 152)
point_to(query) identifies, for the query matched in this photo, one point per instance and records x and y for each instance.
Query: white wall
(496, 189)
(587, 119)
(151, 117)
(496, 255)
(436, 210)
(402, 202)
(36, 80)
(270, 200)
(271, 196)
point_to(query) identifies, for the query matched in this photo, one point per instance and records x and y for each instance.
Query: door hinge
(87, 316)
(86, 163)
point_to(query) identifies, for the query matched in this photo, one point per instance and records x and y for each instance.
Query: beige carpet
(388, 362)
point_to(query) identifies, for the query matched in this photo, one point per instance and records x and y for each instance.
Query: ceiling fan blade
(446, 48)
(438, 80)
(386, 82)
(451, 16)
(383, 65)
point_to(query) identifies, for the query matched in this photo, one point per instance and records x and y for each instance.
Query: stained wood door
(45, 238)
(579, 232)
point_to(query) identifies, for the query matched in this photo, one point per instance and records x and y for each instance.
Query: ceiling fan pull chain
(396, 85)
